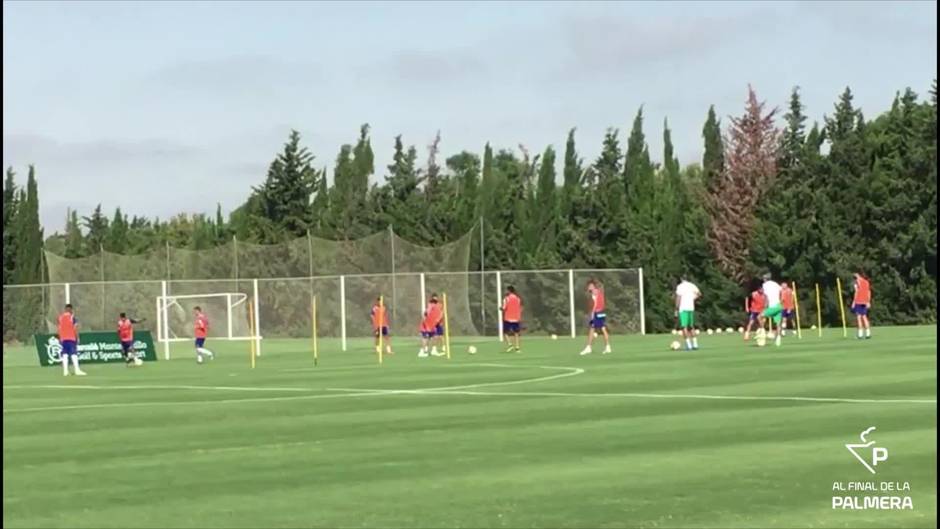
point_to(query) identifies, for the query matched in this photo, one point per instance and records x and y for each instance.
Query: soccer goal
(229, 317)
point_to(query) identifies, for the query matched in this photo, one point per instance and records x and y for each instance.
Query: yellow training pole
(251, 334)
(818, 313)
(313, 323)
(381, 321)
(845, 332)
(796, 305)
(446, 327)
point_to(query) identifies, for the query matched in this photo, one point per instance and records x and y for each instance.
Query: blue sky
(168, 107)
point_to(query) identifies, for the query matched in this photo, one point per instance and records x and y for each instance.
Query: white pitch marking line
(686, 396)
(213, 388)
(185, 403)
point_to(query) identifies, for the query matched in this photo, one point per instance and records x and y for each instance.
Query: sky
(170, 107)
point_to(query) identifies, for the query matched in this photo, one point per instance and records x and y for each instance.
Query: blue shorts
(384, 331)
(860, 310)
(427, 334)
(788, 314)
(752, 316)
(200, 342)
(439, 330)
(127, 346)
(598, 320)
(69, 347)
(511, 327)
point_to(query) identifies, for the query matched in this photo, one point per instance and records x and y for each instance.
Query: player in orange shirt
(512, 318)
(597, 321)
(201, 330)
(125, 329)
(755, 306)
(68, 339)
(432, 328)
(789, 308)
(380, 325)
(861, 305)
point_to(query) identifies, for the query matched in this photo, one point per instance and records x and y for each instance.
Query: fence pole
(482, 282)
(68, 293)
(342, 311)
(391, 238)
(574, 327)
(256, 335)
(642, 304)
(424, 295)
(228, 312)
(168, 274)
(161, 315)
(235, 257)
(499, 292)
(101, 274)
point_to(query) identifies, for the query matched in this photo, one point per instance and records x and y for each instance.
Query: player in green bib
(774, 309)
(686, 294)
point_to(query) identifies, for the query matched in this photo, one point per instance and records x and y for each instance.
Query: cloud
(616, 44)
(32, 148)
(244, 75)
(419, 67)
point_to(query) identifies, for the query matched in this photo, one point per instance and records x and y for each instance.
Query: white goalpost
(228, 315)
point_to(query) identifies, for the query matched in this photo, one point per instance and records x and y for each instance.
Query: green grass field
(728, 436)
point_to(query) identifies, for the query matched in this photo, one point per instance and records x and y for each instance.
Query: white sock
(65, 364)
(859, 332)
(695, 342)
(203, 350)
(75, 363)
(688, 343)
(868, 332)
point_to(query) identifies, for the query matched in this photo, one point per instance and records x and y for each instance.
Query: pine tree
(713, 162)
(97, 226)
(465, 168)
(74, 240)
(10, 204)
(28, 259)
(284, 197)
(116, 241)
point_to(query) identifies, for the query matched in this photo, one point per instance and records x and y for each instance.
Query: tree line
(807, 202)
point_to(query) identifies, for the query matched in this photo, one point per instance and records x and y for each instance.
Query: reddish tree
(751, 146)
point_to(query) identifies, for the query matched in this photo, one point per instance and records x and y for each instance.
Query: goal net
(228, 314)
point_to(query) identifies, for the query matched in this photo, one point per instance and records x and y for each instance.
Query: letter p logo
(878, 455)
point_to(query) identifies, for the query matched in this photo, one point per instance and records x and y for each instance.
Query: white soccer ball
(675, 345)
(138, 362)
(554, 337)
(740, 329)
(729, 330)
(718, 330)
(710, 331)
(472, 350)
(813, 327)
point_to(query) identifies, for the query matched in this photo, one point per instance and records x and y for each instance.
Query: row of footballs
(729, 330)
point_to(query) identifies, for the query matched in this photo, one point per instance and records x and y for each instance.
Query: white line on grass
(213, 388)
(185, 402)
(569, 372)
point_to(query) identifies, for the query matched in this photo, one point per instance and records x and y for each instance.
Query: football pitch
(728, 436)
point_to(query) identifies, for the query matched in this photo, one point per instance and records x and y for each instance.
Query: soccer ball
(675, 345)
(472, 350)
(729, 330)
(554, 337)
(698, 332)
(740, 329)
(761, 338)
(138, 362)
(813, 327)
(718, 330)
(710, 331)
